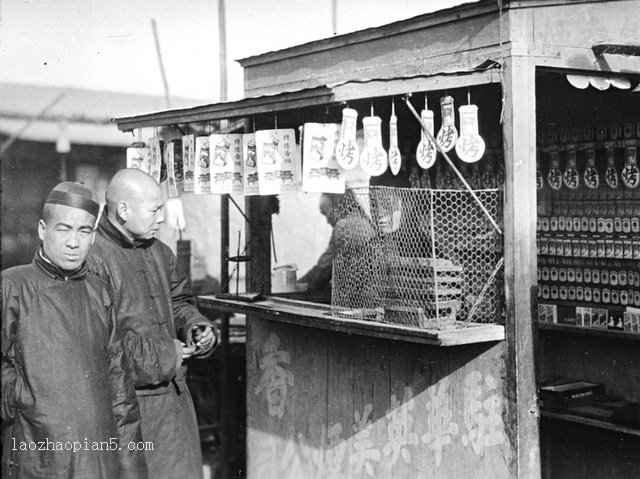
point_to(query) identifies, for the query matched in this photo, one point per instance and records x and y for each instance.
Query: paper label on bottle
(590, 176)
(570, 177)
(539, 180)
(630, 174)
(554, 176)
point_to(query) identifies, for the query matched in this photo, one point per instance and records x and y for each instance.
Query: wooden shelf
(581, 145)
(568, 328)
(314, 315)
(587, 421)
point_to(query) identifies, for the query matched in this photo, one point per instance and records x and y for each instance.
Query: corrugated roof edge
(308, 97)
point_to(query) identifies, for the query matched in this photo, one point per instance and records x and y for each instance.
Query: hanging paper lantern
(470, 146)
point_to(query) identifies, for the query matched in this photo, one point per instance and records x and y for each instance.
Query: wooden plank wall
(556, 42)
(323, 404)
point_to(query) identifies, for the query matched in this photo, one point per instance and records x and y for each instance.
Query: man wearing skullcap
(69, 408)
(161, 326)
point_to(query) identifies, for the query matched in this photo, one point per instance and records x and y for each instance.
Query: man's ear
(42, 226)
(122, 211)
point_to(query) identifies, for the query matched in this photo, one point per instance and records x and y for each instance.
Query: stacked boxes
(627, 320)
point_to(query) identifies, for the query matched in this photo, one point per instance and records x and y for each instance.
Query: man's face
(326, 208)
(145, 215)
(66, 236)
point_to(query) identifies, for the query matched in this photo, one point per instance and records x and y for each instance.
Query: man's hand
(203, 337)
(187, 352)
(182, 352)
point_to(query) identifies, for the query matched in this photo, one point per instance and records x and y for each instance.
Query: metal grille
(420, 257)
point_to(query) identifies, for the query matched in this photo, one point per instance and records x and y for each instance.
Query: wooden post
(223, 374)
(519, 132)
(259, 210)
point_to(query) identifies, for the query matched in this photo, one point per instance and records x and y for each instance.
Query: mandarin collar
(117, 236)
(54, 271)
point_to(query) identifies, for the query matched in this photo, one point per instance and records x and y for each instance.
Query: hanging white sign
(277, 168)
(395, 159)
(346, 149)
(202, 167)
(250, 165)
(139, 157)
(470, 146)
(188, 160)
(426, 152)
(226, 163)
(155, 165)
(373, 158)
(321, 172)
(447, 135)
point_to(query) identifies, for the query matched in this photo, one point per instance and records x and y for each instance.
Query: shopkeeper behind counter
(350, 224)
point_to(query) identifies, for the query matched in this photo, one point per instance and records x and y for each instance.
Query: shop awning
(486, 73)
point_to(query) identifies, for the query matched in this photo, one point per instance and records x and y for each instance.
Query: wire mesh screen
(419, 257)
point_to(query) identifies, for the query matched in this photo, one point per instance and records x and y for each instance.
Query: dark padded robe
(65, 384)
(154, 306)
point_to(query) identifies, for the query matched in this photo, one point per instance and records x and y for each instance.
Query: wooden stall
(333, 396)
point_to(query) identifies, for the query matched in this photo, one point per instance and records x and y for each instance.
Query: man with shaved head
(159, 322)
(69, 408)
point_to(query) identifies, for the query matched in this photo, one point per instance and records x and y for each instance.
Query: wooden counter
(302, 313)
(335, 397)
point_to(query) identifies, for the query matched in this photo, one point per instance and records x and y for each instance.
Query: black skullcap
(74, 195)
